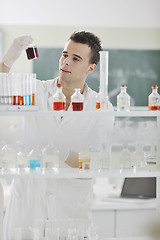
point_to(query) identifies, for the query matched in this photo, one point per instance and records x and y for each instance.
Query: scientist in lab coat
(58, 199)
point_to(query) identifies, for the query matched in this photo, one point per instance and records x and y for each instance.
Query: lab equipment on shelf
(154, 99)
(50, 157)
(59, 99)
(84, 158)
(35, 158)
(77, 100)
(123, 99)
(17, 89)
(104, 55)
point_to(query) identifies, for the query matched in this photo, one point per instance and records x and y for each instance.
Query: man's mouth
(65, 71)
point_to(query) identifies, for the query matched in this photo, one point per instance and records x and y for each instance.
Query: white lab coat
(56, 199)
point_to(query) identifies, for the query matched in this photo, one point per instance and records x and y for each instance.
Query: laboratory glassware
(32, 52)
(77, 100)
(35, 158)
(59, 99)
(84, 158)
(92, 233)
(138, 157)
(123, 100)
(23, 157)
(154, 99)
(50, 157)
(33, 77)
(9, 157)
(125, 160)
(104, 104)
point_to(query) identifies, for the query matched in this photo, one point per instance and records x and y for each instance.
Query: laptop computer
(140, 188)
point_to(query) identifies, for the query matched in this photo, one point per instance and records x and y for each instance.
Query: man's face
(74, 63)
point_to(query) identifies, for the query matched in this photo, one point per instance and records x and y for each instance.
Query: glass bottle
(125, 160)
(84, 158)
(123, 100)
(35, 158)
(50, 157)
(77, 100)
(59, 99)
(9, 157)
(154, 99)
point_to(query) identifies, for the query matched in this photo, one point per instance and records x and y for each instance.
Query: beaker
(32, 52)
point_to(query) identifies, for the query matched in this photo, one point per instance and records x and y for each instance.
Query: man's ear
(91, 68)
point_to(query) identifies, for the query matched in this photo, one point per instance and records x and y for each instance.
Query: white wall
(108, 13)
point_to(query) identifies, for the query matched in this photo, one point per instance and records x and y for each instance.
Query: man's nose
(67, 61)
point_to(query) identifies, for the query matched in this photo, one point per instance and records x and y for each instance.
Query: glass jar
(154, 99)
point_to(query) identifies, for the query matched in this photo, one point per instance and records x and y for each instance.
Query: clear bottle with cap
(154, 99)
(77, 100)
(123, 100)
(59, 99)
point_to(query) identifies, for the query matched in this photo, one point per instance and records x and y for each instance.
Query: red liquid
(32, 53)
(154, 108)
(77, 106)
(97, 105)
(58, 106)
(13, 100)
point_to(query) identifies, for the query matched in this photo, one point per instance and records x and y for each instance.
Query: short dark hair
(92, 41)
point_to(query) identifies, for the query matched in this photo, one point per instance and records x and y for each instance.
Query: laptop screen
(139, 187)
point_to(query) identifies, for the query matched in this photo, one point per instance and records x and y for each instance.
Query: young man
(58, 199)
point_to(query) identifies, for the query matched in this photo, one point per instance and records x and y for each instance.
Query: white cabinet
(113, 223)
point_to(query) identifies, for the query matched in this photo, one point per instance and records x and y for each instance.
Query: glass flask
(123, 100)
(9, 157)
(50, 157)
(59, 99)
(32, 52)
(84, 158)
(35, 156)
(138, 156)
(154, 99)
(77, 100)
(23, 157)
(125, 161)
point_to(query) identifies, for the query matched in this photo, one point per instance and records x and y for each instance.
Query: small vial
(59, 99)
(154, 99)
(123, 100)
(77, 100)
(32, 52)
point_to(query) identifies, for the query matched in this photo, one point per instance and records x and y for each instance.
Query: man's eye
(75, 59)
(65, 55)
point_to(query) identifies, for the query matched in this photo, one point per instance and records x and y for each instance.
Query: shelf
(71, 173)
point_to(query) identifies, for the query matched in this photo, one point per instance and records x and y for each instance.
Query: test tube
(104, 78)
(33, 77)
